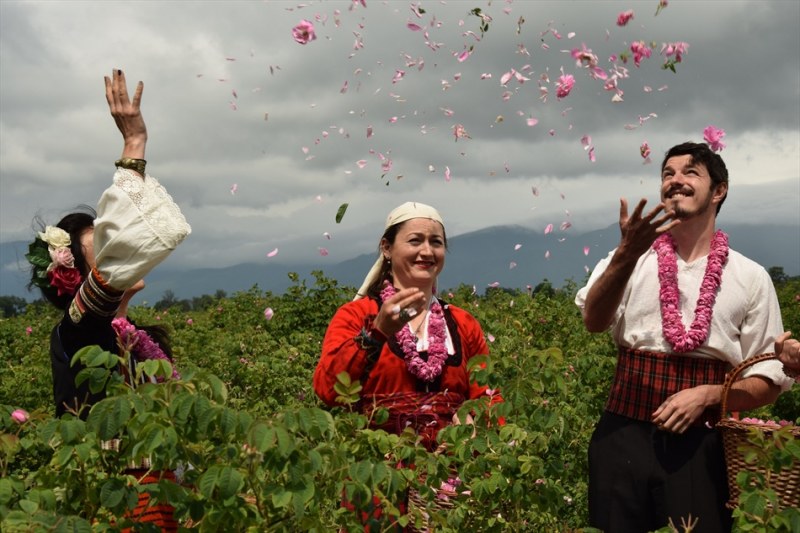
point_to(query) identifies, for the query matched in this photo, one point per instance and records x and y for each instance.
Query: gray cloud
(57, 143)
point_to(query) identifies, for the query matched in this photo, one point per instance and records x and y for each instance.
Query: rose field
(256, 450)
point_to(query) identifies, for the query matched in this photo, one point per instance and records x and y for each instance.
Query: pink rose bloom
(65, 280)
(62, 257)
(675, 49)
(304, 32)
(20, 416)
(28, 330)
(269, 313)
(640, 51)
(624, 17)
(713, 136)
(564, 85)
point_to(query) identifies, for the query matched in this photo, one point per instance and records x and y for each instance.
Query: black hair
(701, 153)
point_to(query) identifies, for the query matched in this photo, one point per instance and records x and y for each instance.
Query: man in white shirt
(683, 309)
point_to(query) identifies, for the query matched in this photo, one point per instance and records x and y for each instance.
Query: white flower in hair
(55, 237)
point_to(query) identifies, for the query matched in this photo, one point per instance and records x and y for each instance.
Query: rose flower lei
(437, 351)
(672, 325)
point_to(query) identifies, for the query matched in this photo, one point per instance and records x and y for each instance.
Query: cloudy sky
(366, 113)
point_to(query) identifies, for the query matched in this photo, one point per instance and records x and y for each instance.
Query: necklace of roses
(437, 351)
(671, 322)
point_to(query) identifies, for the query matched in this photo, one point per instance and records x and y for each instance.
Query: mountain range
(508, 256)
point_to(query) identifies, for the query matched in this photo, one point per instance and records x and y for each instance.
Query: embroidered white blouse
(745, 323)
(137, 227)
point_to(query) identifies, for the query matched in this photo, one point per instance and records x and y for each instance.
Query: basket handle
(733, 374)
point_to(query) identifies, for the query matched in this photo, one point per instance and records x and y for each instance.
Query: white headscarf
(399, 214)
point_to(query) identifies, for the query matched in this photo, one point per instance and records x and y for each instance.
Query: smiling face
(686, 188)
(417, 253)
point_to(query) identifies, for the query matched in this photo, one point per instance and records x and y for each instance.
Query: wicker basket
(786, 483)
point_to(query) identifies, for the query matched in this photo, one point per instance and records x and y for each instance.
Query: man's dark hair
(701, 153)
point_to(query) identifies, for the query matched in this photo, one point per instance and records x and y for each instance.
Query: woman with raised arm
(91, 265)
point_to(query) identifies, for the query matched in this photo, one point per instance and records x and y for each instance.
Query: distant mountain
(479, 258)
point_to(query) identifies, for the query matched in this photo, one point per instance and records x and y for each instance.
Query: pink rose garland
(683, 341)
(437, 351)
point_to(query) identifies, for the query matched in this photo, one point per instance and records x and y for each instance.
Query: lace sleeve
(137, 227)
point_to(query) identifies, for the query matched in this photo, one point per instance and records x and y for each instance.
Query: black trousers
(640, 477)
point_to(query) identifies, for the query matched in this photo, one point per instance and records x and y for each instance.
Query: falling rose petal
(304, 33)
(505, 78)
(431, 168)
(393, 120)
(624, 17)
(369, 132)
(269, 313)
(586, 140)
(591, 154)
(547, 254)
(566, 225)
(233, 105)
(234, 188)
(233, 92)
(535, 191)
(413, 27)
(532, 122)
(486, 76)
(446, 173)
(494, 284)
(548, 229)
(323, 252)
(463, 56)
(361, 163)
(273, 253)
(512, 265)
(398, 75)
(647, 89)
(517, 247)
(327, 235)
(305, 149)
(585, 250)
(644, 150)
(713, 136)
(344, 87)
(490, 337)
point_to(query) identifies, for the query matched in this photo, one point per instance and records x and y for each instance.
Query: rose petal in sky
(535, 191)
(327, 235)
(532, 122)
(517, 247)
(361, 163)
(547, 254)
(303, 33)
(591, 154)
(273, 253)
(234, 188)
(624, 17)
(413, 27)
(494, 284)
(564, 85)
(463, 56)
(369, 131)
(446, 173)
(512, 265)
(323, 252)
(566, 225)
(585, 250)
(548, 229)
(713, 136)
(269, 313)
(398, 75)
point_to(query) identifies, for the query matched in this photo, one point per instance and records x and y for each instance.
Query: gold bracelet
(131, 164)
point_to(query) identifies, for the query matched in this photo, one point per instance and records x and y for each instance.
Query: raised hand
(639, 232)
(127, 114)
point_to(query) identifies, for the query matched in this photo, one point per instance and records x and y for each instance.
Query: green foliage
(258, 451)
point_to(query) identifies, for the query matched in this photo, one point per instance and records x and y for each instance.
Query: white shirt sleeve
(137, 227)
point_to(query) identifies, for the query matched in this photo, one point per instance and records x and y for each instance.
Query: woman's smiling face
(417, 254)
